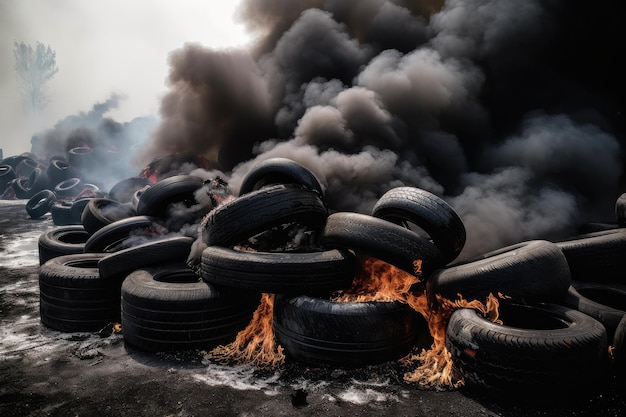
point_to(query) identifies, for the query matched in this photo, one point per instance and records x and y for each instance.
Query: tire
(534, 270)
(123, 190)
(25, 167)
(539, 347)
(80, 157)
(73, 297)
(620, 210)
(177, 189)
(382, 240)
(604, 302)
(279, 273)
(40, 204)
(37, 181)
(596, 257)
(168, 309)
(100, 212)
(62, 240)
(62, 214)
(261, 210)
(137, 195)
(77, 207)
(59, 170)
(21, 187)
(619, 351)
(123, 262)
(69, 187)
(7, 174)
(279, 171)
(124, 233)
(321, 332)
(429, 212)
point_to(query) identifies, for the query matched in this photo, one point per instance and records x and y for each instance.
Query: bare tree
(34, 68)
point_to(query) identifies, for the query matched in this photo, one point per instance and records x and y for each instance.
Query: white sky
(104, 47)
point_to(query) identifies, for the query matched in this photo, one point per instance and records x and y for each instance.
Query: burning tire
(537, 348)
(118, 235)
(429, 212)
(63, 240)
(100, 212)
(40, 203)
(279, 171)
(382, 240)
(259, 211)
(123, 262)
(604, 302)
(343, 334)
(73, 297)
(59, 170)
(535, 269)
(177, 189)
(69, 187)
(596, 256)
(172, 309)
(80, 157)
(279, 273)
(124, 190)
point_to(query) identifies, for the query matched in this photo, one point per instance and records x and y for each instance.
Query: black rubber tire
(80, 157)
(123, 262)
(62, 240)
(429, 212)
(78, 205)
(62, 214)
(279, 171)
(100, 212)
(137, 195)
(596, 257)
(348, 335)
(7, 174)
(73, 297)
(533, 270)
(123, 190)
(38, 181)
(116, 236)
(279, 272)
(604, 302)
(620, 210)
(169, 308)
(12, 161)
(59, 170)
(259, 211)
(69, 188)
(539, 347)
(619, 351)
(40, 204)
(180, 188)
(382, 240)
(21, 187)
(25, 167)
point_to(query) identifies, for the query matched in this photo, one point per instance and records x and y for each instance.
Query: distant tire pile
(563, 306)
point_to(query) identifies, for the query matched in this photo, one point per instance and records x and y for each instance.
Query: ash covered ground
(50, 373)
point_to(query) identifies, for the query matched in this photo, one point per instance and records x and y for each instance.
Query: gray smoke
(500, 107)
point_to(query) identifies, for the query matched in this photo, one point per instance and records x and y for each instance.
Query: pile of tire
(562, 319)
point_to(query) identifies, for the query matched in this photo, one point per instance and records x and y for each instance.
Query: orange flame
(255, 344)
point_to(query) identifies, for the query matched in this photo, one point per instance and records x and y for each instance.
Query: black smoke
(509, 110)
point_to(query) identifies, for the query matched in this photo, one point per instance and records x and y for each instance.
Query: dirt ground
(49, 373)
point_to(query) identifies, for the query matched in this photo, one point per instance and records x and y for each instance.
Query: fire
(255, 344)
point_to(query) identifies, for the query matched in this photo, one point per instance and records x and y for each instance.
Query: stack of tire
(564, 313)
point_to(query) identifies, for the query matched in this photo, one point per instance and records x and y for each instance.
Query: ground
(49, 373)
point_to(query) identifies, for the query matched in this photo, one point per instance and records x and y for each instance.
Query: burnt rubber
(382, 240)
(279, 272)
(318, 331)
(259, 211)
(62, 240)
(166, 249)
(429, 212)
(169, 308)
(535, 270)
(40, 204)
(539, 347)
(73, 297)
(279, 171)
